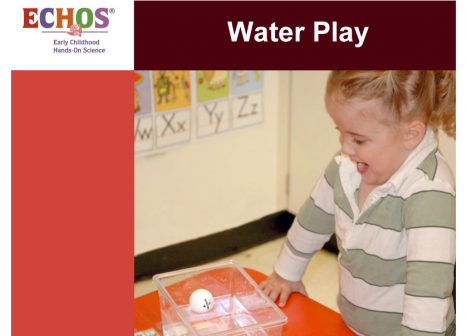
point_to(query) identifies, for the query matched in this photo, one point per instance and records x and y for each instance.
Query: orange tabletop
(306, 317)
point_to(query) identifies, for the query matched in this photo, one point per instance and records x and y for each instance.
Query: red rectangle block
(72, 202)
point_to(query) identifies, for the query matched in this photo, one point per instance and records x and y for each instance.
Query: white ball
(201, 301)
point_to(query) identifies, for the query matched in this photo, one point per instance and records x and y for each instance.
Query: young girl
(390, 199)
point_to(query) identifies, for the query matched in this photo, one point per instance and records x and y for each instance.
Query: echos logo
(55, 17)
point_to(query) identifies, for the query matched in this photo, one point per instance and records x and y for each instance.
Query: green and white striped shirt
(396, 254)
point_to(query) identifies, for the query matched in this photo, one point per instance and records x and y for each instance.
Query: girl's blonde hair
(429, 96)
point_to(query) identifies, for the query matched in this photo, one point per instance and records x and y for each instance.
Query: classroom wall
(215, 183)
(313, 138)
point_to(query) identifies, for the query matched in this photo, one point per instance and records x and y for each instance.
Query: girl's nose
(346, 146)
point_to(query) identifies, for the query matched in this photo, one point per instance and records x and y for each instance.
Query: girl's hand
(277, 287)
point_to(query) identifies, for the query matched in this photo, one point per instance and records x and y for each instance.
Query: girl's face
(376, 147)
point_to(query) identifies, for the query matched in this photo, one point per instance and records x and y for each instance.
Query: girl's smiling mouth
(362, 167)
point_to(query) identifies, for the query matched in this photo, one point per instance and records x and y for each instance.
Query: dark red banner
(295, 35)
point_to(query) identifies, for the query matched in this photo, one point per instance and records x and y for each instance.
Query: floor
(321, 277)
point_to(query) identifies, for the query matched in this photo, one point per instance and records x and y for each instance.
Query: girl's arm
(430, 223)
(312, 227)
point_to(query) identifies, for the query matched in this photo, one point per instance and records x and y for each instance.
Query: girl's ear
(414, 133)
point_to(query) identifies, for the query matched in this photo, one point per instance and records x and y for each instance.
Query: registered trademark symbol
(111, 10)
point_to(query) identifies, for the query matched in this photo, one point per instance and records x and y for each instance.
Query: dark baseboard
(214, 246)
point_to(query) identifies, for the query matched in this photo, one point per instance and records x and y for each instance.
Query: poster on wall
(247, 110)
(213, 118)
(142, 100)
(172, 107)
(170, 103)
(171, 90)
(244, 81)
(173, 128)
(213, 114)
(247, 103)
(144, 135)
(212, 85)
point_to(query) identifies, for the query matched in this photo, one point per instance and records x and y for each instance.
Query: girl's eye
(357, 141)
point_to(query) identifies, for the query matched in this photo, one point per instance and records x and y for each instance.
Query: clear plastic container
(240, 307)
